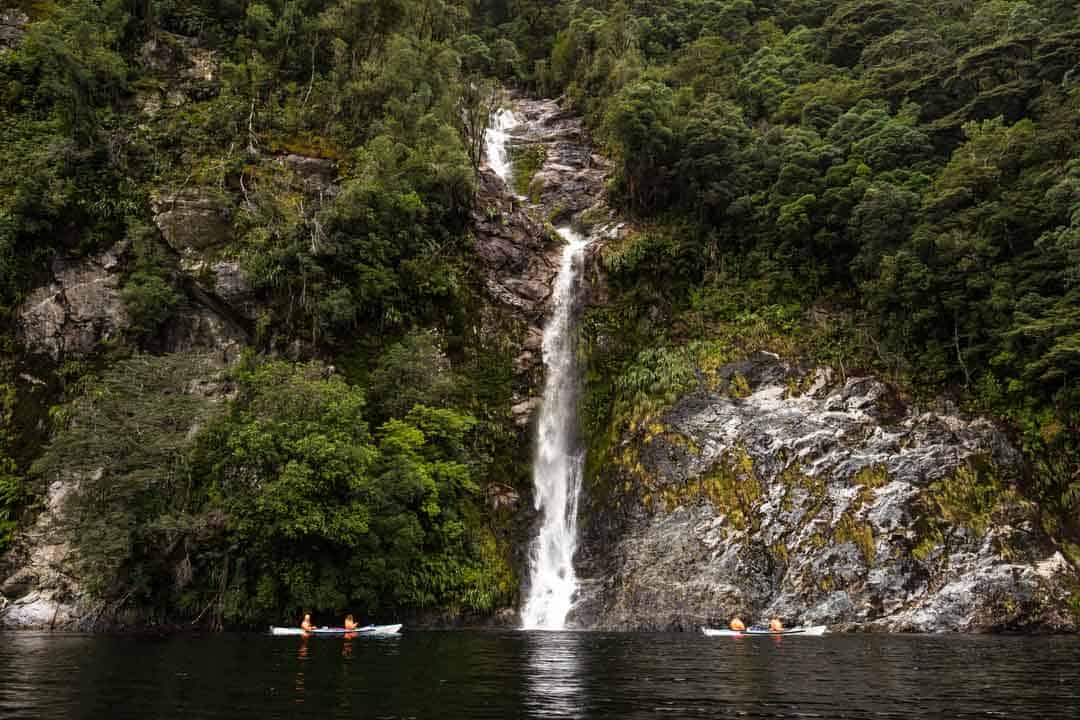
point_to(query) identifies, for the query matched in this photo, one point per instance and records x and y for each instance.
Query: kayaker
(306, 624)
(775, 625)
(737, 624)
(350, 624)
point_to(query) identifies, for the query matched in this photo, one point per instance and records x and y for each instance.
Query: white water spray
(495, 138)
(558, 461)
(557, 465)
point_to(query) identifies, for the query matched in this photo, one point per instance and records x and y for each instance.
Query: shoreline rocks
(789, 491)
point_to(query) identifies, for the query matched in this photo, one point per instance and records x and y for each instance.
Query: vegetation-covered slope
(889, 185)
(302, 174)
(885, 185)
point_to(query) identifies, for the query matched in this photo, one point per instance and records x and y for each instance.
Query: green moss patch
(527, 161)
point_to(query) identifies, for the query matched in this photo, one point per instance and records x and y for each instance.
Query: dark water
(538, 675)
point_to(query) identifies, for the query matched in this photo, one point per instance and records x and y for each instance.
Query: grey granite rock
(836, 524)
(79, 309)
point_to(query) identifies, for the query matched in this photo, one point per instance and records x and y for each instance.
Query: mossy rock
(526, 162)
(860, 533)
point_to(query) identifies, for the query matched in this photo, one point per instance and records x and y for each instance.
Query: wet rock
(811, 497)
(523, 411)
(518, 251)
(82, 307)
(517, 256)
(500, 497)
(40, 593)
(572, 177)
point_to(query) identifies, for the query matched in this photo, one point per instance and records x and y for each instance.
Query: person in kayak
(306, 624)
(775, 625)
(737, 624)
(350, 624)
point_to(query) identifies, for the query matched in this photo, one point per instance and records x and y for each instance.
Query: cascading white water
(558, 462)
(495, 139)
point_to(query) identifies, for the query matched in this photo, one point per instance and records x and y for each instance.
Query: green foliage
(12, 490)
(905, 164)
(413, 371)
(149, 300)
(279, 501)
(526, 162)
(133, 506)
(11, 493)
(330, 515)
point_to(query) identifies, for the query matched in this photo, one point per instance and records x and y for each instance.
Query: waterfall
(495, 138)
(558, 462)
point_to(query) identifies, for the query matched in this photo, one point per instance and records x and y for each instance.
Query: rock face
(193, 219)
(789, 492)
(571, 178)
(40, 593)
(12, 28)
(318, 176)
(514, 250)
(186, 72)
(518, 251)
(79, 309)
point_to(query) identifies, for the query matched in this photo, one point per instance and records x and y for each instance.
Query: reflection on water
(302, 653)
(556, 682)
(481, 675)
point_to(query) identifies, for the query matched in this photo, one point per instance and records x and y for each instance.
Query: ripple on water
(537, 675)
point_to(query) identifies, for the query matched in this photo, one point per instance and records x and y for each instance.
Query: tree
(639, 120)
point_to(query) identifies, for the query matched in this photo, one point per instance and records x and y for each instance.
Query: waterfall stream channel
(558, 461)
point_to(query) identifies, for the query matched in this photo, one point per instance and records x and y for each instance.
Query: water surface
(538, 675)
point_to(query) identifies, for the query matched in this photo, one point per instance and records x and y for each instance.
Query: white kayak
(366, 630)
(812, 630)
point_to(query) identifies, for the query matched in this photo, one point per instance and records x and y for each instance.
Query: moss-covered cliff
(256, 356)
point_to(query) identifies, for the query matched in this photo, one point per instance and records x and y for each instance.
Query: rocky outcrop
(571, 179)
(515, 242)
(40, 592)
(789, 491)
(193, 219)
(82, 308)
(317, 176)
(70, 316)
(185, 71)
(12, 28)
(515, 252)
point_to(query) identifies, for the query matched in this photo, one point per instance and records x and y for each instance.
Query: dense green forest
(355, 483)
(885, 185)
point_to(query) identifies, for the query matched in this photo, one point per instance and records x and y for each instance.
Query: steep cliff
(355, 252)
(788, 490)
